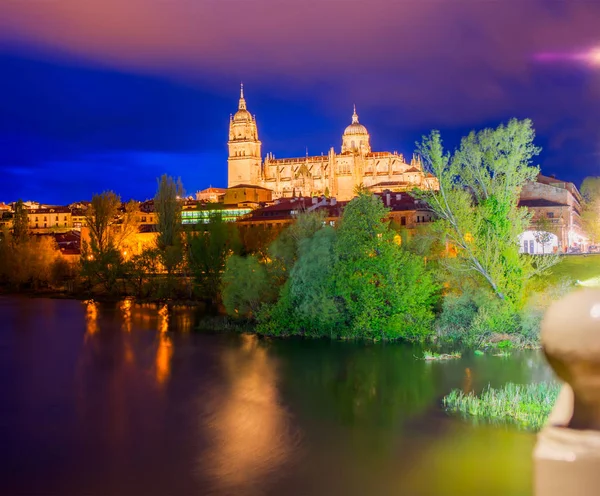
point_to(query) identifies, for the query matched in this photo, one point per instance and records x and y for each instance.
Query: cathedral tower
(243, 164)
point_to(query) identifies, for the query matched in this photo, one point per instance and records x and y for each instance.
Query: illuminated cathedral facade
(335, 174)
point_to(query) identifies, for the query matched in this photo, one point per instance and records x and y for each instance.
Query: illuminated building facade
(559, 204)
(333, 174)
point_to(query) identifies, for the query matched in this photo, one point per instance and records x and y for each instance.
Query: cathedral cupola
(356, 137)
(242, 115)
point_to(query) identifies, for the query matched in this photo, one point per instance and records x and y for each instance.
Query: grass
(577, 268)
(431, 355)
(525, 406)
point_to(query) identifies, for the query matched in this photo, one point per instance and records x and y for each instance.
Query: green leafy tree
(306, 304)
(383, 291)
(477, 204)
(283, 252)
(245, 286)
(167, 205)
(208, 249)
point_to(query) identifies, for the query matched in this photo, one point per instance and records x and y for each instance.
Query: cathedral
(334, 174)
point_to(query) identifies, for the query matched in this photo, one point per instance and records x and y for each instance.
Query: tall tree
(100, 216)
(477, 203)
(20, 223)
(101, 261)
(167, 205)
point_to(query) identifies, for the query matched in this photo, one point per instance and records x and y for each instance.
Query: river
(127, 399)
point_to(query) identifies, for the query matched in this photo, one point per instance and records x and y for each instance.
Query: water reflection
(164, 352)
(125, 307)
(163, 319)
(250, 433)
(108, 398)
(91, 317)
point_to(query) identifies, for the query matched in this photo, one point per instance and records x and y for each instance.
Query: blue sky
(93, 101)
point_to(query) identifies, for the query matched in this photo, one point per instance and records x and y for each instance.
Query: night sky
(110, 94)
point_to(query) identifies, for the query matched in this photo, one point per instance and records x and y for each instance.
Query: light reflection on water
(249, 428)
(127, 399)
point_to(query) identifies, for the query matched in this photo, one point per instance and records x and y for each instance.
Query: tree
(101, 261)
(246, 286)
(477, 203)
(208, 250)
(127, 226)
(590, 191)
(167, 206)
(28, 263)
(246, 278)
(283, 252)
(168, 211)
(20, 223)
(306, 304)
(543, 231)
(100, 216)
(383, 291)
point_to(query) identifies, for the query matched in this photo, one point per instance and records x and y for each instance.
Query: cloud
(409, 65)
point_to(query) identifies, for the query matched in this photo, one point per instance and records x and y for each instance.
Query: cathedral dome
(355, 128)
(242, 115)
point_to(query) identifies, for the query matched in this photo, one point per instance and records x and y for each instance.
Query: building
(50, 218)
(211, 195)
(404, 211)
(247, 194)
(555, 206)
(333, 174)
(201, 213)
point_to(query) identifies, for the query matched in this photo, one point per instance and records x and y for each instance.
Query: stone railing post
(567, 454)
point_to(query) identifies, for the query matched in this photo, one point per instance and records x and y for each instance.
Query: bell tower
(243, 164)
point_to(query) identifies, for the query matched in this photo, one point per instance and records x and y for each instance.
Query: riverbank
(216, 320)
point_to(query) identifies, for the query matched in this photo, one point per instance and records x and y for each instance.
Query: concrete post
(567, 454)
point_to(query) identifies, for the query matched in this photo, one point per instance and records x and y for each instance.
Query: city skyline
(110, 105)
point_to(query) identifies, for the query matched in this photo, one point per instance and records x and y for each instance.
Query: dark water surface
(121, 399)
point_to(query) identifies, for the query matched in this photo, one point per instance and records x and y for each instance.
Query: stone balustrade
(567, 454)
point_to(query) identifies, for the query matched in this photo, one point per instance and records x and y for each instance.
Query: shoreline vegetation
(432, 355)
(457, 281)
(526, 406)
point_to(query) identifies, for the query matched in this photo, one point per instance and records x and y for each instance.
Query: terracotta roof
(49, 210)
(213, 190)
(251, 186)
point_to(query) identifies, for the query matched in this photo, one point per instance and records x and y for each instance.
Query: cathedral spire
(355, 116)
(242, 105)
